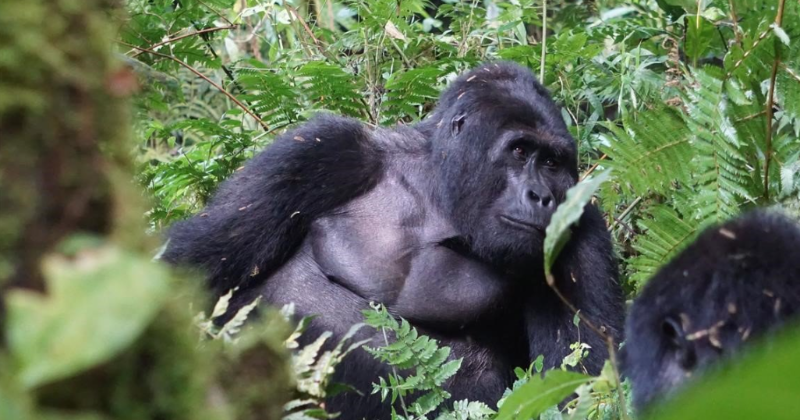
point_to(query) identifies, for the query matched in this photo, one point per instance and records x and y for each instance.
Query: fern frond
(409, 91)
(788, 82)
(665, 234)
(721, 175)
(269, 95)
(651, 153)
(331, 87)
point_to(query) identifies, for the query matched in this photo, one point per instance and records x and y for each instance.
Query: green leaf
(15, 403)
(539, 394)
(699, 36)
(97, 303)
(647, 154)
(665, 234)
(568, 212)
(780, 33)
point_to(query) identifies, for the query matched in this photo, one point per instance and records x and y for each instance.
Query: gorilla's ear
(456, 123)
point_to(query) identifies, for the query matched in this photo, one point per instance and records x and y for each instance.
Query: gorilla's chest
(386, 247)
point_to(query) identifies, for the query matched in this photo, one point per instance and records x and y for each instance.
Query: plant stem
(771, 100)
(544, 41)
(204, 77)
(180, 37)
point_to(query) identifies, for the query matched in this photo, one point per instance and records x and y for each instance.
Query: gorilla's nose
(540, 197)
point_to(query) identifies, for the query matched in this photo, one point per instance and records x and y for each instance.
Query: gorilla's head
(505, 160)
(735, 282)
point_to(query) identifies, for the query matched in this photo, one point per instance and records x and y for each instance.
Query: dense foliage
(693, 105)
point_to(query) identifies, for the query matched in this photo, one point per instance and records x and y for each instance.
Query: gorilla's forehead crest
(503, 89)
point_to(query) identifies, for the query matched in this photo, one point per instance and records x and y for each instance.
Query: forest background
(694, 106)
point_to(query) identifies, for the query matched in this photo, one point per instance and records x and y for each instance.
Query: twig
(593, 167)
(735, 19)
(747, 53)
(618, 221)
(216, 12)
(610, 345)
(544, 41)
(204, 77)
(210, 47)
(309, 32)
(465, 30)
(791, 72)
(751, 116)
(180, 37)
(771, 101)
(625, 213)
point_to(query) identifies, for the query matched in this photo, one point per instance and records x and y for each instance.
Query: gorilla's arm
(259, 217)
(586, 274)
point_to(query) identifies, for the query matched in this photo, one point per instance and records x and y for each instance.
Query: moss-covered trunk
(63, 131)
(90, 325)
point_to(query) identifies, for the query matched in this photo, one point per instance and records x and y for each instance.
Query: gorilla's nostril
(547, 200)
(533, 196)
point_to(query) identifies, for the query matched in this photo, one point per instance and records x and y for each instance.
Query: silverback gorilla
(443, 222)
(735, 282)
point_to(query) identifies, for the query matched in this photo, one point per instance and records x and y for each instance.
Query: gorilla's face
(505, 175)
(505, 161)
(536, 171)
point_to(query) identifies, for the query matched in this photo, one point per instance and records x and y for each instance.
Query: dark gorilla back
(442, 222)
(736, 282)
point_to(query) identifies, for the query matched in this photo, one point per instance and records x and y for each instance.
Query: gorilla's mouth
(523, 225)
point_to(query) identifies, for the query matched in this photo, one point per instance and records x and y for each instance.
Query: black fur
(258, 219)
(442, 222)
(735, 282)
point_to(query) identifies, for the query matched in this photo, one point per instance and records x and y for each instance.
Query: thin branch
(624, 213)
(204, 77)
(762, 36)
(310, 33)
(600, 331)
(590, 170)
(544, 41)
(771, 101)
(215, 11)
(751, 116)
(180, 37)
(735, 19)
(210, 47)
(791, 72)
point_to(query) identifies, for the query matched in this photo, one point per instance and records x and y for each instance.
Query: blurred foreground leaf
(568, 212)
(97, 303)
(761, 385)
(539, 394)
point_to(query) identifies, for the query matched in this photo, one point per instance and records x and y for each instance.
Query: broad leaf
(568, 212)
(96, 304)
(539, 394)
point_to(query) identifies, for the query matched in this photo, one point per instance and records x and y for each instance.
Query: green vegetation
(693, 106)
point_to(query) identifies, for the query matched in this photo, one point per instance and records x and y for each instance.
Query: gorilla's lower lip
(519, 224)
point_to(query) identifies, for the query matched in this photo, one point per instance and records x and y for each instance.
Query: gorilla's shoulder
(401, 139)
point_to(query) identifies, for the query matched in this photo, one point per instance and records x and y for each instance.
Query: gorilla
(443, 222)
(735, 282)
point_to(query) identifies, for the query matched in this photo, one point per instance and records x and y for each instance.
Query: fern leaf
(665, 234)
(268, 94)
(649, 154)
(721, 175)
(331, 88)
(409, 92)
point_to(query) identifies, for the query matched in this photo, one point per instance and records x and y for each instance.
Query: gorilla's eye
(551, 162)
(520, 153)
